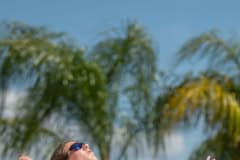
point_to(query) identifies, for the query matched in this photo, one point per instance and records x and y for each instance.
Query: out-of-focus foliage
(106, 94)
(222, 148)
(64, 89)
(61, 81)
(128, 61)
(211, 96)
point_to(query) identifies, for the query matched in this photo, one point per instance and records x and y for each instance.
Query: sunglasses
(76, 146)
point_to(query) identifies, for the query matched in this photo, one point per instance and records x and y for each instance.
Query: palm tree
(212, 96)
(58, 81)
(128, 61)
(68, 94)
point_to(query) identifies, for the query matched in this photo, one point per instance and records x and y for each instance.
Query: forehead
(67, 145)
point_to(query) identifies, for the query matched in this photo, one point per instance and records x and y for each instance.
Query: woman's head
(72, 150)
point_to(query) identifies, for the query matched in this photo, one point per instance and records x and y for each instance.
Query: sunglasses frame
(76, 146)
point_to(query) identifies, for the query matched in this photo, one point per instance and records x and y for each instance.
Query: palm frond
(219, 146)
(204, 98)
(211, 46)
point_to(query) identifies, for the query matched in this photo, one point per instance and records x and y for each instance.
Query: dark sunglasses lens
(76, 146)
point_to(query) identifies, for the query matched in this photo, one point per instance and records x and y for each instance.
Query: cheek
(73, 156)
(78, 155)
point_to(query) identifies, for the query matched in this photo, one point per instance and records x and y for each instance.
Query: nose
(85, 146)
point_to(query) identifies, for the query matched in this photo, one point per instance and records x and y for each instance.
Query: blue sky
(170, 23)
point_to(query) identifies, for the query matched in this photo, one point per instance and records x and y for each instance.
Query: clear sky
(170, 23)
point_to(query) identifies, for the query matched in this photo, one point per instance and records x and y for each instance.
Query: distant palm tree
(212, 96)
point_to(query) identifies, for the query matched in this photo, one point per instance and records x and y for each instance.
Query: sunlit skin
(24, 157)
(85, 153)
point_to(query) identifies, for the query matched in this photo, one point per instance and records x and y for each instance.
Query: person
(72, 150)
(69, 150)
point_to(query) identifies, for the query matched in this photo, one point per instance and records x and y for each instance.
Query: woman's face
(81, 153)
